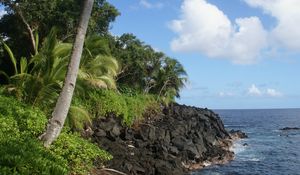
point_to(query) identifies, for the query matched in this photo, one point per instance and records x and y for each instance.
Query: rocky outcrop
(182, 139)
(237, 134)
(289, 128)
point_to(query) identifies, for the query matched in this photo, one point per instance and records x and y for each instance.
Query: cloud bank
(202, 27)
(287, 13)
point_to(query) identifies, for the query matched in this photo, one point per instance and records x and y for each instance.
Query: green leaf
(36, 42)
(12, 57)
(23, 65)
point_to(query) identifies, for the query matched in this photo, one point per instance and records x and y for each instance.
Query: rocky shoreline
(182, 139)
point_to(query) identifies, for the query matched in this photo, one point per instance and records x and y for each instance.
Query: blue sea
(270, 151)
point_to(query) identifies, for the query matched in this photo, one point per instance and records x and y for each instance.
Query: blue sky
(237, 53)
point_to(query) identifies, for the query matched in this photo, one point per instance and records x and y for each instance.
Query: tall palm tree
(61, 109)
(170, 79)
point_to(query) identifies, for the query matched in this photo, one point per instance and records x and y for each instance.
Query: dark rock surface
(237, 134)
(289, 128)
(181, 140)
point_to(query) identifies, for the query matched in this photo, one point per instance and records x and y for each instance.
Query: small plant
(78, 152)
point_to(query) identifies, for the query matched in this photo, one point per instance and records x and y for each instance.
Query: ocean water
(270, 151)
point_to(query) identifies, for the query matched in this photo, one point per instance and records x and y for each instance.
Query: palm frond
(62, 49)
(23, 65)
(11, 57)
(78, 117)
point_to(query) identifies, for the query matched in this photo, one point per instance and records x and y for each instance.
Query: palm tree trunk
(61, 109)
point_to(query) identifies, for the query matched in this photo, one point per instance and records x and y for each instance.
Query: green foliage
(140, 106)
(146, 70)
(40, 86)
(131, 107)
(104, 102)
(26, 155)
(42, 15)
(79, 153)
(12, 57)
(98, 68)
(78, 118)
(22, 153)
(30, 120)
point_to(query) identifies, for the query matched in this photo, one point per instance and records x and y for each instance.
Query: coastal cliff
(180, 140)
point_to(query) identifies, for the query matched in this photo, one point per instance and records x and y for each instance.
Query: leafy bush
(26, 155)
(29, 120)
(78, 152)
(22, 153)
(140, 106)
(131, 107)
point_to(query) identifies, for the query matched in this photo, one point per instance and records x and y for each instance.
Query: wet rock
(237, 134)
(289, 128)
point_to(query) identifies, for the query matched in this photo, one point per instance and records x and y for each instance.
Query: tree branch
(30, 31)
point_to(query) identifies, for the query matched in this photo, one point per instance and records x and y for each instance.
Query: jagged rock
(237, 134)
(192, 152)
(100, 133)
(115, 131)
(179, 140)
(173, 150)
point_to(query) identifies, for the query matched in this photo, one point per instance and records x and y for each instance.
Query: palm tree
(41, 84)
(48, 70)
(61, 109)
(170, 79)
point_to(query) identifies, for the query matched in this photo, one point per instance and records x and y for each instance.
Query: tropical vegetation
(118, 75)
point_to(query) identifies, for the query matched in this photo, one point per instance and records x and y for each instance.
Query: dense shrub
(22, 153)
(25, 155)
(78, 152)
(131, 107)
(103, 102)
(28, 120)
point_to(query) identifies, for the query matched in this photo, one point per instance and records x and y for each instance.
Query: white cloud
(254, 91)
(150, 5)
(204, 28)
(287, 12)
(273, 93)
